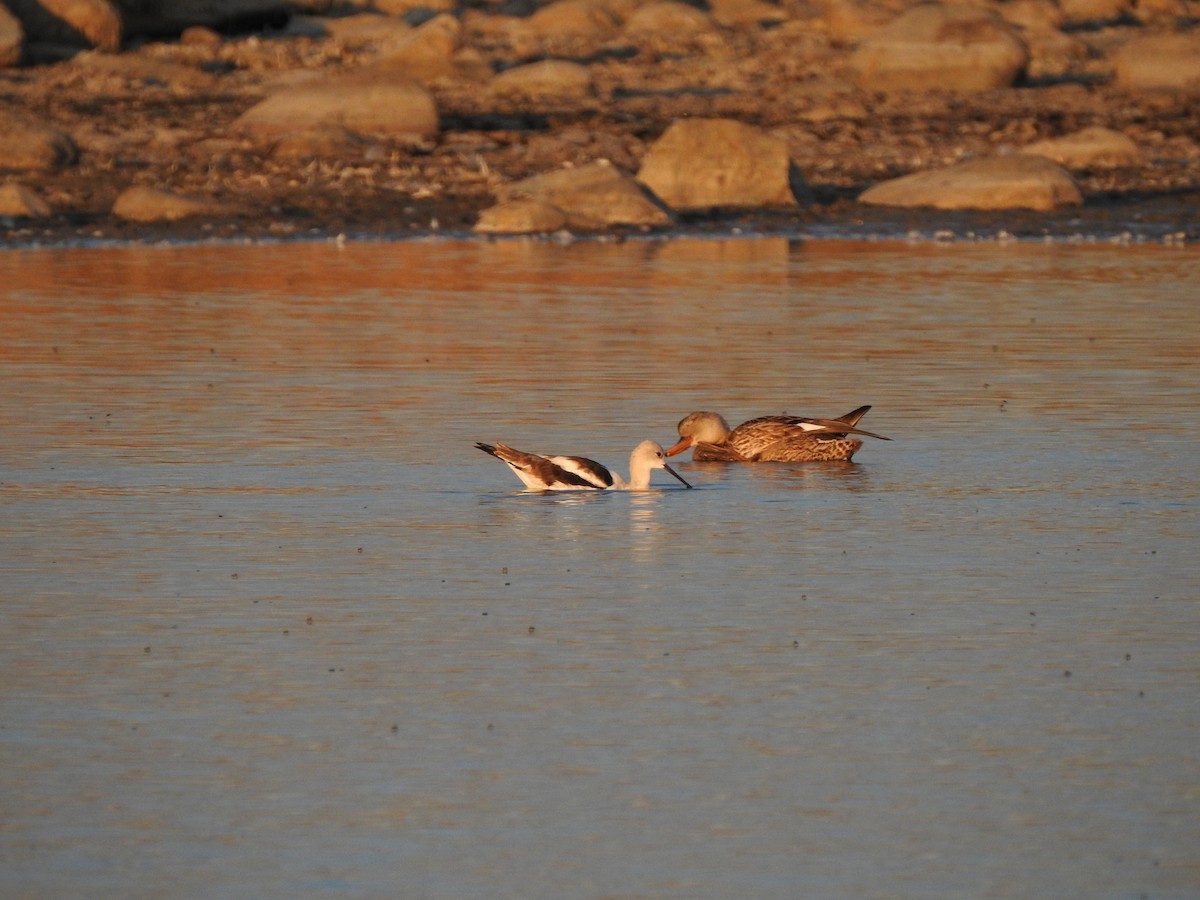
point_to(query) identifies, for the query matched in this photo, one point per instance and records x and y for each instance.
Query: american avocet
(771, 438)
(575, 473)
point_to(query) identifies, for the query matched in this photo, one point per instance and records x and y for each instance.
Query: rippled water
(271, 626)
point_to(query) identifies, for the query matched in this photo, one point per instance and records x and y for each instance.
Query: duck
(771, 438)
(578, 473)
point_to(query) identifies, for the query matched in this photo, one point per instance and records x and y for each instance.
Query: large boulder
(369, 104)
(1089, 148)
(75, 23)
(1002, 182)
(702, 163)
(590, 197)
(1165, 61)
(956, 47)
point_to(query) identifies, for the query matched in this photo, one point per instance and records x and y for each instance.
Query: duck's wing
(852, 418)
(834, 426)
(797, 439)
(750, 438)
(551, 473)
(703, 451)
(811, 448)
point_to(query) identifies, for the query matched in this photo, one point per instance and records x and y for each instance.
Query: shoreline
(1171, 223)
(169, 115)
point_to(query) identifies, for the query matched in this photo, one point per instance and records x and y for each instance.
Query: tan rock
(553, 80)
(1002, 182)
(1054, 53)
(957, 47)
(1085, 12)
(200, 36)
(1163, 11)
(509, 32)
(1090, 148)
(323, 141)
(18, 201)
(853, 20)
(1033, 15)
(12, 37)
(360, 29)
(828, 98)
(618, 10)
(77, 23)
(425, 53)
(403, 7)
(32, 146)
(573, 18)
(745, 13)
(369, 104)
(134, 70)
(521, 217)
(1167, 61)
(592, 196)
(146, 204)
(668, 18)
(702, 163)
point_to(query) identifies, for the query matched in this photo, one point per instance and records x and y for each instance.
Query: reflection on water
(272, 625)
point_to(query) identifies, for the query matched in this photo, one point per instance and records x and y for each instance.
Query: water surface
(271, 626)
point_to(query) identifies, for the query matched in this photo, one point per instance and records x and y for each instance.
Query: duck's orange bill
(680, 447)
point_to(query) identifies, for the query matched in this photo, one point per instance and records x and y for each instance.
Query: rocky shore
(264, 119)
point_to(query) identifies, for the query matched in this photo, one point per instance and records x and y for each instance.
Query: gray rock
(956, 47)
(1002, 182)
(591, 197)
(702, 163)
